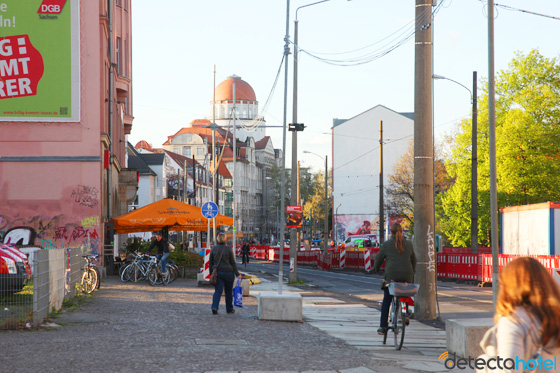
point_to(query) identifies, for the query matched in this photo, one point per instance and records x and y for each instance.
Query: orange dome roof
(243, 91)
(143, 145)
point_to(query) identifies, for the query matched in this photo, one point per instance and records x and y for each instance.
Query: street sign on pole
(209, 210)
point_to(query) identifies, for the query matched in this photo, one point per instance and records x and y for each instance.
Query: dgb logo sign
(51, 6)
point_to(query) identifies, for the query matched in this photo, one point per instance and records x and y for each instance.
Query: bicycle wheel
(98, 278)
(153, 277)
(398, 324)
(87, 282)
(172, 269)
(127, 273)
(95, 279)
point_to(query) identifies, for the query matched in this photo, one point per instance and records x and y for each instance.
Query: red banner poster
(295, 216)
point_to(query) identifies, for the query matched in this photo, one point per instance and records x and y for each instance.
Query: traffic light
(296, 127)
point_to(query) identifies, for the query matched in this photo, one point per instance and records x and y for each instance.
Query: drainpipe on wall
(111, 98)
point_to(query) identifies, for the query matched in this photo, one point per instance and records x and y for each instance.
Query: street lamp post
(474, 161)
(325, 231)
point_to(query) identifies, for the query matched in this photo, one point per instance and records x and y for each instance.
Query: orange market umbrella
(166, 213)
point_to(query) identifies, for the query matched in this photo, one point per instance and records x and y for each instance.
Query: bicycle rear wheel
(398, 324)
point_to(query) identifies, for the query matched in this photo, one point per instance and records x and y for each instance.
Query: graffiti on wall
(50, 232)
(85, 196)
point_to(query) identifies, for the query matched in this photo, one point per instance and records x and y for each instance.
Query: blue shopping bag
(238, 294)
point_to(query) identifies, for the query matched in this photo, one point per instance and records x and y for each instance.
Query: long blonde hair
(396, 230)
(524, 282)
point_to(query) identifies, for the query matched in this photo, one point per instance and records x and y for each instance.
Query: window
(118, 56)
(119, 2)
(187, 151)
(199, 151)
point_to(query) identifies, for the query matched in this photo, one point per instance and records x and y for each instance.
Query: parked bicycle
(139, 269)
(398, 314)
(91, 279)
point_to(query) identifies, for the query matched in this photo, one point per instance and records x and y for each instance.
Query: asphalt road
(455, 299)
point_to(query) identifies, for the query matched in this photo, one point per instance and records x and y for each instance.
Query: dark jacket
(227, 262)
(246, 249)
(399, 267)
(163, 246)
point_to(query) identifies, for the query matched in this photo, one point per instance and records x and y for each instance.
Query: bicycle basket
(403, 289)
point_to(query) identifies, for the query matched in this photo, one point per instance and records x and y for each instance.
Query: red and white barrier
(206, 270)
(342, 259)
(367, 260)
(253, 252)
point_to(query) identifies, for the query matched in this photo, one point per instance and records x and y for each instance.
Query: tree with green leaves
(527, 147)
(400, 189)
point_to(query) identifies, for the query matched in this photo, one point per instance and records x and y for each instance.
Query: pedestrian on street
(163, 251)
(527, 320)
(399, 267)
(221, 257)
(245, 250)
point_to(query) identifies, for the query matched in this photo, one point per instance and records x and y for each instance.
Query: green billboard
(39, 60)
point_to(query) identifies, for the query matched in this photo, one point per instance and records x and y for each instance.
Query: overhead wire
(397, 39)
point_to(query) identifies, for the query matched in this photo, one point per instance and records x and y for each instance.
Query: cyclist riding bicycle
(400, 267)
(163, 250)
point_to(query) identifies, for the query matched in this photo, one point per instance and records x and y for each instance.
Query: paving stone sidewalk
(131, 327)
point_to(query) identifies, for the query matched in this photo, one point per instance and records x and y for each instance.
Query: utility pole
(326, 223)
(381, 210)
(474, 171)
(284, 123)
(424, 219)
(234, 175)
(492, 155)
(294, 245)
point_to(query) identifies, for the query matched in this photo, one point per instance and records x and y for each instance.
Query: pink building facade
(65, 111)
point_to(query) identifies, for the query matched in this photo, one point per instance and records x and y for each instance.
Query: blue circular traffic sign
(209, 210)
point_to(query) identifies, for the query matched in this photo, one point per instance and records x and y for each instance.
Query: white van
(360, 240)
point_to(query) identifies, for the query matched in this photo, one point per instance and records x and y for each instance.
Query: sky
(177, 43)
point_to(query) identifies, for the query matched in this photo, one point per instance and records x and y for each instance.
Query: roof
(180, 159)
(223, 170)
(142, 144)
(243, 91)
(198, 129)
(261, 144)
(153, 159)
(338, 122)
(135, 161)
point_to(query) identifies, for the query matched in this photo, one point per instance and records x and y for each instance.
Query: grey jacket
(399, 267)
(227, 262)
(518, 337)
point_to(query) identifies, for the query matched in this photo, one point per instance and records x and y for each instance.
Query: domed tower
(249, 124)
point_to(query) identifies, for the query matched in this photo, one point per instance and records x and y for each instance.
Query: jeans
(163, 259)
(225, 280)
(387, 299)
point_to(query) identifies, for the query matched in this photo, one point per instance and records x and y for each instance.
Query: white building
(356, 153)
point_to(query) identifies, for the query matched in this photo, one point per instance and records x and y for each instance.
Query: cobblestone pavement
(131, 327)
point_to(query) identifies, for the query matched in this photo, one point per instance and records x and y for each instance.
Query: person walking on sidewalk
(400, 266)
(245, 250)
(527, 328)
(163, 251)
(221, 257)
